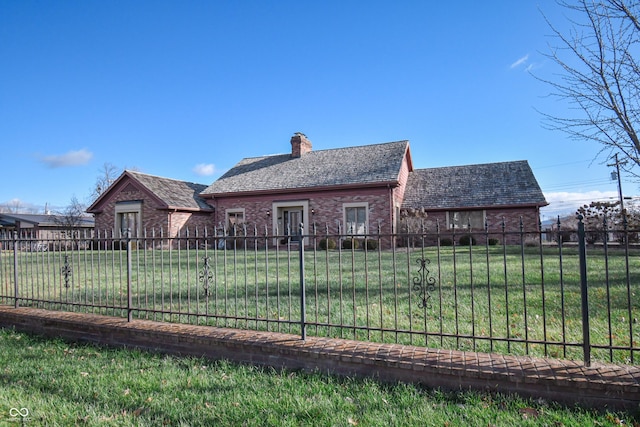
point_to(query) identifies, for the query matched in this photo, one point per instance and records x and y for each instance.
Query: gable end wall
(153, 217)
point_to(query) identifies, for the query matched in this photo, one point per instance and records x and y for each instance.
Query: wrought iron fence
(554, 293)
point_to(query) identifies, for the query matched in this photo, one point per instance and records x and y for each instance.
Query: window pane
(235, 218)
(462, 219)
(356, 218)
(128, 221)
(362, 219)
(476, 218)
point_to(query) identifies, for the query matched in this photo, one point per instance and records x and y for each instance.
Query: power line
(578, 184)
(564, 164)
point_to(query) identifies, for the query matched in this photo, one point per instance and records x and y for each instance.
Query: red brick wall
(511, 217)
(181, 222)
(403, 177)
(614, 387)
(328, 208)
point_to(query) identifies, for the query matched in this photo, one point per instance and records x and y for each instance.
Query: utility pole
(617, 165)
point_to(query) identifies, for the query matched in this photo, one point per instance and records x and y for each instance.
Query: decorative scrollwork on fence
(206, 275)
(423, 283)
(67, 271)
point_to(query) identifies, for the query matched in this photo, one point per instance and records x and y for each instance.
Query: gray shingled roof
(482, 185)
(177, 194)
(368, 164)
(42, 220)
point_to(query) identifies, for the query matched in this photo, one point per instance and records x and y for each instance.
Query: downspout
(392, 209)
(214, 205)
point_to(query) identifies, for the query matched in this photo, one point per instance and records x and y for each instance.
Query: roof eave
(185, 209)
(385, 184)
(503, 206)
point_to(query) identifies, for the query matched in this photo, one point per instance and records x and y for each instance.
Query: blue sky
(185, 89)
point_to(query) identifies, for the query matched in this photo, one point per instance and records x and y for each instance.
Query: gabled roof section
(170, 193)
(348, 167)
(474, 186)
(174, 193)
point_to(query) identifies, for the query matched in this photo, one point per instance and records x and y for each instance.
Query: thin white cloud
(584, 197)
(567, 203)
(534, 66)
(204, 169)
(520, 61)
(72, 158)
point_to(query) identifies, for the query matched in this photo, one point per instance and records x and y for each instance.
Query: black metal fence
(554, 294)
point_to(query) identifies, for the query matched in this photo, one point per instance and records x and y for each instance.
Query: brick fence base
(601, 385)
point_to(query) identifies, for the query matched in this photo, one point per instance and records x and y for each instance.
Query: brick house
(142, 202)
(351, 190)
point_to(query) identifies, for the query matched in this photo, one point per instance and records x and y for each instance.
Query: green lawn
(519, 300)
(62, 384)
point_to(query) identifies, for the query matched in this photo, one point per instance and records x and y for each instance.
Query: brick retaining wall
(601, 385)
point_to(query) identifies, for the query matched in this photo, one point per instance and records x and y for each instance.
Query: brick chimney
(299, 144)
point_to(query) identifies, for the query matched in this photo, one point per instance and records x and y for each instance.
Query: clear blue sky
(185, 89)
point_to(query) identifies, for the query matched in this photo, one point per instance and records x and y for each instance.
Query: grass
(507, 299)
(62, 384)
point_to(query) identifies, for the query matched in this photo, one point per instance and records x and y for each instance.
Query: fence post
(586, 339)
(303, 302)
(129, 264)
(16, 304)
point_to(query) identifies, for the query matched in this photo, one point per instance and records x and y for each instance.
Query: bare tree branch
(70, 219)
(599, 77)
(107, 175)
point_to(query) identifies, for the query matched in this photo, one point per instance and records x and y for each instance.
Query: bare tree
(412, 222)
(595, 214)
(107, 175)
(14, 206)
(599, 76)
(70, 219)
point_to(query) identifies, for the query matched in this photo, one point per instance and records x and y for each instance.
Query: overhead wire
(574, 188)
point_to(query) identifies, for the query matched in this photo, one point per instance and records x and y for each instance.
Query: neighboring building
(146, 203)
(352, 190)
(44, 227)
(475, 196)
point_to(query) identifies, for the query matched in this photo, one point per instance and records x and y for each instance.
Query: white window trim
(276, 208)
(364, 205)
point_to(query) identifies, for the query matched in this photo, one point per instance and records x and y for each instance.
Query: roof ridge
(328, 149)
(162, 177)
(474, 165)
(361, 146)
